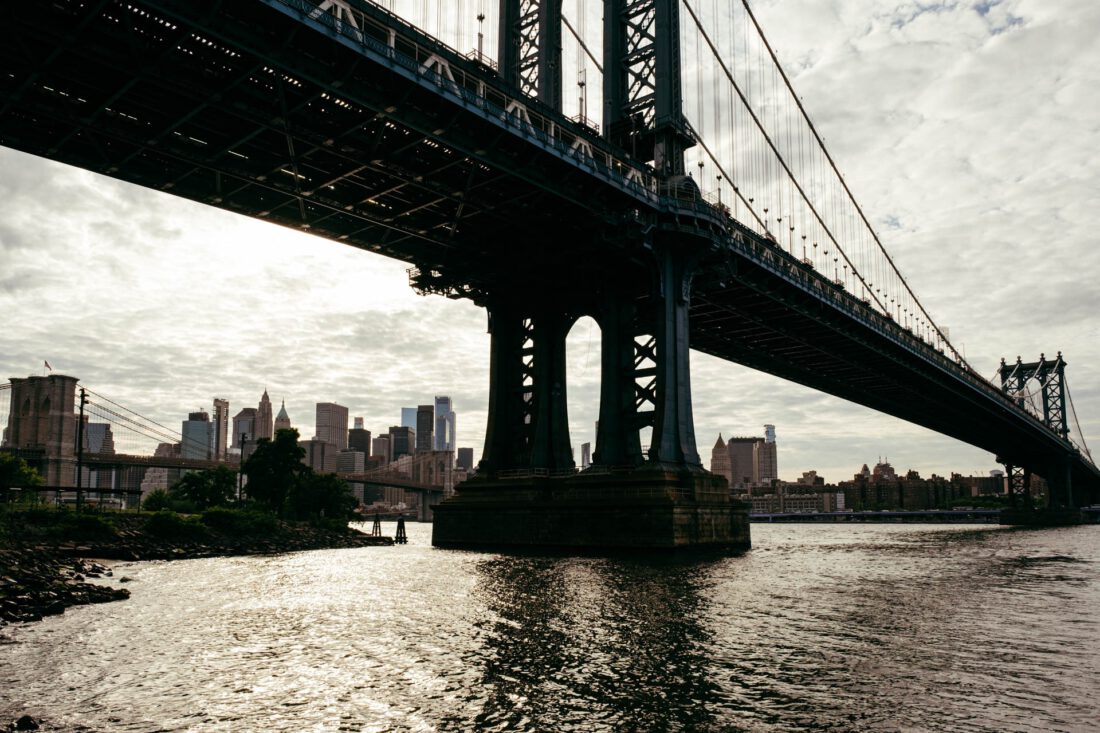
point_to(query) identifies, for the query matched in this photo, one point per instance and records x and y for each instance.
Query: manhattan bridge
(643, 162)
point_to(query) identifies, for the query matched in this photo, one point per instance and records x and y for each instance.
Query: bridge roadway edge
(642, 510)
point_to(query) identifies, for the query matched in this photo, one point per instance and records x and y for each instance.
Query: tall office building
(244, 423)
(380, 449)
(586, 455)
(465, 459)
(332, 424)
(408, 417)
(351, 461)
(98, 438)
(720, 460)
(282, 420)
(265, 424)
(743, 469)
(767, 461)
(402, 441)
(444, 424)
(196, 436)
(220, 431)
(358, 438)
(320, 455)
(425, 420)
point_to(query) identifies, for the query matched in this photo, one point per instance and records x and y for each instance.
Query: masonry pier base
(643, 510)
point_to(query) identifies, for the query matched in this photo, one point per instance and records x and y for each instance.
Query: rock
(25, 723)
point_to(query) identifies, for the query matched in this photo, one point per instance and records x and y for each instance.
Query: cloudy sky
(972, 127)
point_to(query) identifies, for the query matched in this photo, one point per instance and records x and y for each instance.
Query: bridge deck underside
(238, 106)
(747, 314)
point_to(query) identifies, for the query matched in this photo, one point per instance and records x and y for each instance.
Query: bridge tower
(42, 426)
(527, 491)
(1051, 376)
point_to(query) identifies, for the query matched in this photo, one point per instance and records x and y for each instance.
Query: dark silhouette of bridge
(341, 119)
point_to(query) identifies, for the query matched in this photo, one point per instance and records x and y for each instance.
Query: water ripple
(832, 628)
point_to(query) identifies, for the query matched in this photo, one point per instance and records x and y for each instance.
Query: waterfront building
(282, 420)
(332, 424)
(264, 426)
(425, 420)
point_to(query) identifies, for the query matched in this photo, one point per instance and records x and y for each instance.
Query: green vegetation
(205, 489)
(247, 521)
(15, 473)
(279, 482)
(168, 525)
(157, 500)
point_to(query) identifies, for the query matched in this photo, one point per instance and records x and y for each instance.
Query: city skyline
(974, 165)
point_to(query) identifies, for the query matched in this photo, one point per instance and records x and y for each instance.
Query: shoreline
(43, 576)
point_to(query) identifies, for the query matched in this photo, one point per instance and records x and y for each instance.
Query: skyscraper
(196, 436)
(408, 417)
(282, 420)
(220, 430)
(743, 469)
(265, 426)
(425, 419)
(465, 458)
(444, 424)
(767, 461)
(332, 424)
(358, 438)
(244, 423)
(720, 461)
(380, 449)
(402, 441)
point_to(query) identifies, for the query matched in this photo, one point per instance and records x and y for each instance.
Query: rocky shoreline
(35, 583)
(41, 578)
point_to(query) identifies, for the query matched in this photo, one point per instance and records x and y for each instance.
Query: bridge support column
(528, 427)
(527, 494)
(673, 441)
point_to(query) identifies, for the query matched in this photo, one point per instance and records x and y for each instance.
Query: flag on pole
(47, 365)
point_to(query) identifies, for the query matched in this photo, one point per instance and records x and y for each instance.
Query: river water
(820, 627)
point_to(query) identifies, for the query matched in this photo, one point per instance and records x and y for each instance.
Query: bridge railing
(372, 27)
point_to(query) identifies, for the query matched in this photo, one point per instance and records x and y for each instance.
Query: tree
(321, 495)
(273, 470)
(205, 489)
(16, 473)
(156, 500)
